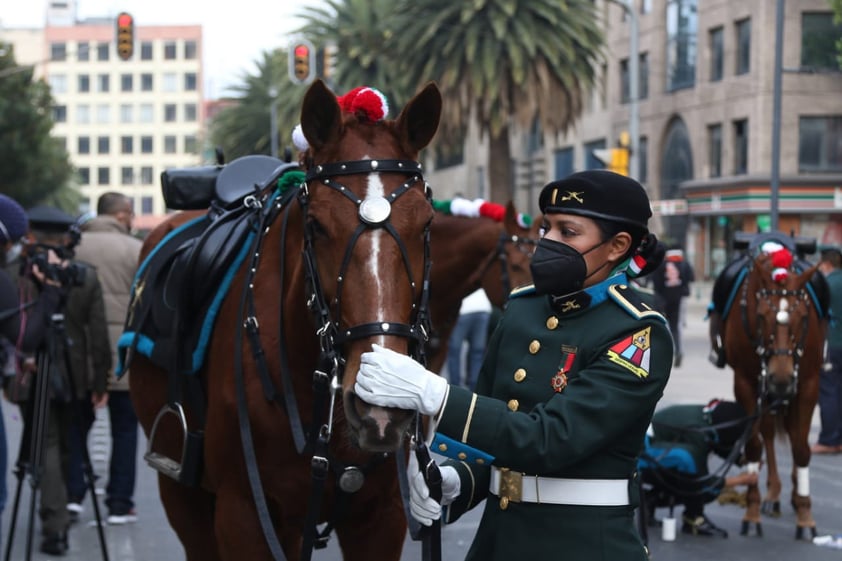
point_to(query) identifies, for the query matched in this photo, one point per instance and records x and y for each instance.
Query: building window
(625, 88)
(190, 82)
(819, 37)
(170, 82)
(84, 83)
(102, 50)
(126, 113)
(191, 146)
(642, 156)
(146, 205)
(103, 113)
(169, 112)
(190, 114)
(126, 144)
(744, 46)
(169, 145)
(642, 78)
(58, 83)
(190, 50)
(126, 176)
(645, 7)
(564, 161)
(146, 175)
(146, 50)
(126, 82)
(84, 174)
(682, 28)
(103, 145)
(83, 51)
(146, 145)
(717, 58)
(83, 114)
(591, 161)
(820, 144)
(103, 83)
(740, 146)
(146, 82)
(103, 176)
(714, 150)
(83, 145)
(58, 51)
(59, 113)
(147, 113)
(169, 50)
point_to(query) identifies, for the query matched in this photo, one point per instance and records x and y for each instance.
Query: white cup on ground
(668, 529)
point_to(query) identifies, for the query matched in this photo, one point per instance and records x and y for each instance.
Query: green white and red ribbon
(474, 208)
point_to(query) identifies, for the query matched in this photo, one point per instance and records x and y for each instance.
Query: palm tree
(361, 31)
(507, 62)
(244, 128)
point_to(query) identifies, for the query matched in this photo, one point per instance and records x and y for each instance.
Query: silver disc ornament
(375, 210)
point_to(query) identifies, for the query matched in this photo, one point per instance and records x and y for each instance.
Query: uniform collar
(588, 297)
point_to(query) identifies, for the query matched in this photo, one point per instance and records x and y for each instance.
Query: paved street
(151, 539)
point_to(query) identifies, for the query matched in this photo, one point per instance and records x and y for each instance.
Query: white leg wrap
(753, 467)
(803, 477)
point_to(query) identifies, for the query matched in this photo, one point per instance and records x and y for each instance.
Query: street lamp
(273, 121)
(634, 86)
(775, 179)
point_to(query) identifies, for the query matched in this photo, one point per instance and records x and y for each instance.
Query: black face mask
(558, 268)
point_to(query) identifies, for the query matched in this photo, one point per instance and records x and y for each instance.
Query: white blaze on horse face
(375, 189)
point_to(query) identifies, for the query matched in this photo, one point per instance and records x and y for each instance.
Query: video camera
(67, 274)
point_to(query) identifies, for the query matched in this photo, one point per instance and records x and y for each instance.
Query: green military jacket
(567, 390)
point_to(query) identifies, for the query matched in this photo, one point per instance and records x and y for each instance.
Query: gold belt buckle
(511, 487)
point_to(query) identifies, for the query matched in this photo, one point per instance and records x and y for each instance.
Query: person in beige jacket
(108, 245)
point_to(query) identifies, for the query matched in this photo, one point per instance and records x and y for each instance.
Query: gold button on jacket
(513, 404)
(552, 322)
(520, 375)
(534, 346)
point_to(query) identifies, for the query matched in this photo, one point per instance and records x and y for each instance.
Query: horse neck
(463, 249)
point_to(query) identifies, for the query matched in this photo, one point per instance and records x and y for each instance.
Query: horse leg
(772, 503)
(190, 511)
(798, 435)
(744, 393)
(374, 529)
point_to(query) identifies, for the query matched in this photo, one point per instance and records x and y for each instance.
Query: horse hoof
(799, 533)
(746, 525)
(771, 508)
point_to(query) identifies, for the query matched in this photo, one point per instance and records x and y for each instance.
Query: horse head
(367, 232)
(781, 326)
(509, 267)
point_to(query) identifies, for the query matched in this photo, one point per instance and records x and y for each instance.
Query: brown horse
(774, 342)
(333, 270)
(469, 253)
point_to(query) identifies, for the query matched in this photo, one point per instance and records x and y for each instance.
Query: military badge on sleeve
(632, 353)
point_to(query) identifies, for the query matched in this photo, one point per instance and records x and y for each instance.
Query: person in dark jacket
(565, 394)
(671, 282)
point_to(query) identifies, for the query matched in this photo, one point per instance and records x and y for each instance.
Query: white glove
(423, 508)
(390, 379)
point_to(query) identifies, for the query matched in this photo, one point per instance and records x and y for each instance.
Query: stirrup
(186, 471)
(717, 357)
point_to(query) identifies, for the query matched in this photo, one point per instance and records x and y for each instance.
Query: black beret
(598, 194)
(49, 219)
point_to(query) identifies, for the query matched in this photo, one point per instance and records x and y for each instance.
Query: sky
(234, 37)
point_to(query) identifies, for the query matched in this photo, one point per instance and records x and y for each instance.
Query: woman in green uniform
(568, 387)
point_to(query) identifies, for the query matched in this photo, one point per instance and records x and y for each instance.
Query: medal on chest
(559, 381)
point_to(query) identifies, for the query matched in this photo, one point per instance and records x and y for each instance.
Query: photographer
(23, 321)
(88, 344)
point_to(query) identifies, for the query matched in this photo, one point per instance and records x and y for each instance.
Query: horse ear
(419, 120)
(510, 220)
(321, 116)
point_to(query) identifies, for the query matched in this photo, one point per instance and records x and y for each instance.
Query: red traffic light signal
(302, 63)
(125, 36)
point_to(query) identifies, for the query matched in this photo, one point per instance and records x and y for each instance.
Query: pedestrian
(674, 466)
(671, 282)
(565, 395)
(23, 324)
(830, 378)
(471, 327)
(108, 245)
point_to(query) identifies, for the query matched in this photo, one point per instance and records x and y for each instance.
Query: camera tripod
(37, 416)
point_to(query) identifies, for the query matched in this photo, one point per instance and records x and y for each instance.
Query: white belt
(517, 487)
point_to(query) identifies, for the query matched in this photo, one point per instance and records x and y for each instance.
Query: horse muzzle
(375, 428)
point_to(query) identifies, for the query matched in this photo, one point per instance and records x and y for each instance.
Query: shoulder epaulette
(526, 290)
(630, 300)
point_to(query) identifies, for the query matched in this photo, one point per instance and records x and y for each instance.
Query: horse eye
(316, 227)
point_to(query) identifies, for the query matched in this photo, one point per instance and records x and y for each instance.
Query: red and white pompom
(781, 260)
(365, 102)
(298, 138)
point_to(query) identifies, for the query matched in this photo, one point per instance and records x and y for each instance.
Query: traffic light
(619, 161)
(302, 62)
(125, 36)
(330, 52)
